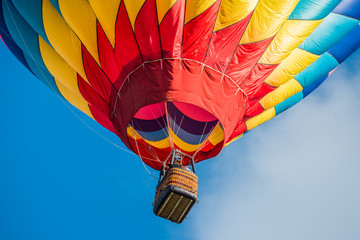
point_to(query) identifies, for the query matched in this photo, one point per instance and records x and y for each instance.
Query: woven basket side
(178, 177)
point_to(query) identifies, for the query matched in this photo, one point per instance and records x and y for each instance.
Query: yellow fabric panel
(280, 94)
(75, 100)
(65, 77)
(234, 139)
(231, 12)
(61, 71)
(297, 61)
(62, 38)
(165, 143)
(106, 12)
(181, 144)
(290, 36)
(163, 6)
(81, 18)
(195, 7)
(217, 135)
(260, 119)
(267, 19)
(133, 8)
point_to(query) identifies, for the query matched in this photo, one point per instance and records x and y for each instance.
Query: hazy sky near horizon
(294, 177)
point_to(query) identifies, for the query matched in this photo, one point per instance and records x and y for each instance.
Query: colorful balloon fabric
(192, 75)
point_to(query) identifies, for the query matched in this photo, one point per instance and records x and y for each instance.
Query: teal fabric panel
(325, 64)
(288, 103)
(31, 11)
(28, 41)
(329, 32)
(313, 9)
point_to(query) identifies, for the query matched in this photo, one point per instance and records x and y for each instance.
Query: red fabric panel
(107, 55)
(171, 31)
(126, 48)
(147, 31)
(194, 112)
(102, 119)
(98, 107)
(224, 43)
(256, 78)
(208, 151)
(197, 34)
(180, 81)
(207, 146)
(151, 112)
(240, 129)
(97, 78)
(252, 110)
(262, 90)
(141, 148)
(245, 58)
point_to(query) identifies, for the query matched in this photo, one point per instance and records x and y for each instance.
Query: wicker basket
(176, 194)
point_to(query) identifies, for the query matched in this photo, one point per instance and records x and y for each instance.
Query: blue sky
(295, 177)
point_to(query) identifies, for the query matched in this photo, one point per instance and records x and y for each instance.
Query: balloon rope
(141, 157)
(202, 134)
(167, 121)
(205, 142)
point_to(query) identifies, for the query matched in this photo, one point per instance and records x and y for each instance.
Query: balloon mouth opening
(157, 129)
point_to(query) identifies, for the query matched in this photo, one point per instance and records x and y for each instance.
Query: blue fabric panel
(306, 91)
(288, 103)
(16, 51)
(27, 40)
(184, 135)
(3, 28)
(43, 75)
(349, 8)
(347, 45)
(313, 9)
(31, 11)
(9, 41)
(329, 32)
(55, 3)
(153, 136)
(22, 33)
(317, 70)
(149, 125)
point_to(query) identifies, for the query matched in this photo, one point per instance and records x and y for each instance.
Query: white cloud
(295, 177)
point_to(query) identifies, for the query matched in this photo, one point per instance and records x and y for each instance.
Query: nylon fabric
(81, 19)
(195, 8)
(106, 13)
(31, 11)
(332, 29)
(192, 75)
(281, 94)
(163, 7)
(132, 9)
(267, 19)
(62, 38)
(290, 36)
(296, 62)
(66, 77)
(260, 119)
(313, 9)
(232, 12)
(349, 8)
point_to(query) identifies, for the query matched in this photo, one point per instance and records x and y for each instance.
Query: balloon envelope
(192, 75)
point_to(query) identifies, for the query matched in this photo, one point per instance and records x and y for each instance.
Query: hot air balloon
(178, 80)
